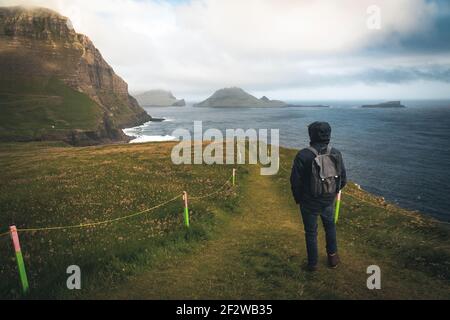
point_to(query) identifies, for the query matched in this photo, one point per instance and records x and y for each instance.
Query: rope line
(93, 224)
(388, 206)
(84, 225)
(4, 234)
(213, 193)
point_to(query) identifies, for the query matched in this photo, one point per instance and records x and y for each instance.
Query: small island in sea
(159, 98)
(235, 97)
(385, 105)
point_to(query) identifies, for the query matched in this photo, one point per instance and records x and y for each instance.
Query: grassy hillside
(244, 242)
(38, 108)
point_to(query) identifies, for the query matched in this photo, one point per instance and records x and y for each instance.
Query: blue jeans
(310, 223)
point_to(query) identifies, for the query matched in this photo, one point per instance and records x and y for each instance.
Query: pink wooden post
(19, 259)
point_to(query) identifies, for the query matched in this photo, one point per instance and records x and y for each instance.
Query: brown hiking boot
(333, 260)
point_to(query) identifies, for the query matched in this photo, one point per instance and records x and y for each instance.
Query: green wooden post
(19, 259)
(186, 209)
(338, 207)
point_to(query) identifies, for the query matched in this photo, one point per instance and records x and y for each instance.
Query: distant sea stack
(385, 105)
(237, 98)
(55, 84)
(273, 103)
(159, 98)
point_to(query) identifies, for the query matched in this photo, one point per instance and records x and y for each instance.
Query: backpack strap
(313, 150)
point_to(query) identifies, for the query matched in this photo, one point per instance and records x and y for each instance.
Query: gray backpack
(325, 175)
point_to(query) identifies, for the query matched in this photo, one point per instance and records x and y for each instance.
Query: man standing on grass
(318, 174)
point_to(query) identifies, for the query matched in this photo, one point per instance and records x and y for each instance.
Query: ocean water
(401, 154)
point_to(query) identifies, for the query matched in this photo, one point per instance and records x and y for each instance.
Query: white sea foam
(144, 138)
(135, 131)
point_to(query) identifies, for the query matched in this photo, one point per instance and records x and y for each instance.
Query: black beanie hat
(319, 132)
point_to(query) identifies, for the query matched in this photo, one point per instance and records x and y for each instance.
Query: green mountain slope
(45, 111)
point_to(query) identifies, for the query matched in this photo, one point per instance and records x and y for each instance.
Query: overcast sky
(285, 49)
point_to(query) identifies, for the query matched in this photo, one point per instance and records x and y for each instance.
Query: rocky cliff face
(37, 45)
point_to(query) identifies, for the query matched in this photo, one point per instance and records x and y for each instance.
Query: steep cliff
(55, 84)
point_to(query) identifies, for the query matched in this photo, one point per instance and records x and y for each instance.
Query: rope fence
(222, 188)
(14, 231)
(93, 224)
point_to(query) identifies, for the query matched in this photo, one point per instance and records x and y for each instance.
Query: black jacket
(301, 175)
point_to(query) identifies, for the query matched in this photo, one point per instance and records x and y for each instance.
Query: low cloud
(195, 47)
